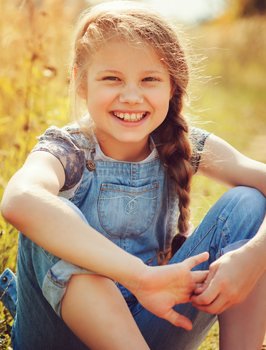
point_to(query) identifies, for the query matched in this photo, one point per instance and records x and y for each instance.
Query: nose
(131, 94)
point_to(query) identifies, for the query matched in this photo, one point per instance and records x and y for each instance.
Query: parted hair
(134, 22)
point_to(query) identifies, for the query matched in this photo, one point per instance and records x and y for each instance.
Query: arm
(224, 163)
(31, 197)
(233, 276)
(225, 285)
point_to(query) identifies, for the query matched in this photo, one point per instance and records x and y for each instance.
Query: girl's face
(128, 93)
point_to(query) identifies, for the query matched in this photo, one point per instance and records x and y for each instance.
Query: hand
(231, 278)
(163, 287)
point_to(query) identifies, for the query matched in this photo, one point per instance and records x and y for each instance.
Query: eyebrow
(113, 71)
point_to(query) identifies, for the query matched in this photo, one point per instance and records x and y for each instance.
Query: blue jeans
(229, 224)
(233, 220)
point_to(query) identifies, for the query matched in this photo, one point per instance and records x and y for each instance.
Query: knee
(86, 289)
(78, 281)
(248, 195)
(87, 283)
(249, 202)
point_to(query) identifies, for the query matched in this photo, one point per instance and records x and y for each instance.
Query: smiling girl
(100, 203)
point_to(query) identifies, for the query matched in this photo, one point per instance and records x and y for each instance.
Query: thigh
(36, 325)
(41, 283)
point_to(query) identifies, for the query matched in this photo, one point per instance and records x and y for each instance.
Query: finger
(199, 276)
(218, 306)
(200, 285)
(178, 320)
(201, 288)
(208, 295)
(196, 260)
(212, 272)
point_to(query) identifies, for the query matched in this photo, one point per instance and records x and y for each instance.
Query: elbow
(6, 208)
(13, 206)
(8, 213)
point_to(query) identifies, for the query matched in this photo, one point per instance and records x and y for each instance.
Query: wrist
(132, 279)
(254, 255)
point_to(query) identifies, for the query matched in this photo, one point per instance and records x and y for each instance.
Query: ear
(80, 82)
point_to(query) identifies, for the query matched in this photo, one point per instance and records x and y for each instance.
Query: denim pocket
(126, 211)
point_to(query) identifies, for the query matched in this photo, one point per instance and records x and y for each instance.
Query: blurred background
(226, 43)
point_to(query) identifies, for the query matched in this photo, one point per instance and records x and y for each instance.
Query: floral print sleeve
(60, 143)
(197, 137)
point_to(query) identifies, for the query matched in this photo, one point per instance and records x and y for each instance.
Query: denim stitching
(127, 230)
(113, 188)
(200, 240)
(53, 278)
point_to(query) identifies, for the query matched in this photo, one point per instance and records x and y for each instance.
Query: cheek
(99, 99)
(161, 101)
(104, 96)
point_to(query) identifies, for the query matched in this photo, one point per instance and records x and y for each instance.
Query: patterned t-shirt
(72, 148)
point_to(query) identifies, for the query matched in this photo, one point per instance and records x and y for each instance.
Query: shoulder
(197, 137)
(70, 146)
(70, 135)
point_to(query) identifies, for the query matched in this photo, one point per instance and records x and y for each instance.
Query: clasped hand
(230, 280)
(162, 287)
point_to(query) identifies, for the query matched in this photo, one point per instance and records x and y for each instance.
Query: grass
(33, 94)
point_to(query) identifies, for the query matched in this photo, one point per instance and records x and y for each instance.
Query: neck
(129, 152)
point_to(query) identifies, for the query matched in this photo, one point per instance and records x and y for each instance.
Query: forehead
(136, 53)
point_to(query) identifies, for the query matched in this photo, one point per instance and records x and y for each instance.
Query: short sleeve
(198, 138)
(59, 143)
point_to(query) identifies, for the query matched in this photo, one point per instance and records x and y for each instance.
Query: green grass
(33, 94)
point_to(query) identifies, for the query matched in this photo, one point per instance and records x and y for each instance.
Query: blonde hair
(134, 22)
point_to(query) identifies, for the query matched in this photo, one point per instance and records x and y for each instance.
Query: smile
(130, 117)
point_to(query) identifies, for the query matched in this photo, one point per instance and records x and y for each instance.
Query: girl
(99, 204)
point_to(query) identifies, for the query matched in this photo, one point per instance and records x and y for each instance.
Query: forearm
(52, 224)
(256, 248)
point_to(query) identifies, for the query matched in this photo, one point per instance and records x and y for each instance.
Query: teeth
(130, 116)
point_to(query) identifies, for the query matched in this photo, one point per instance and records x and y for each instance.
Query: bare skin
(233, 293)
(100, 317)
(101, 310)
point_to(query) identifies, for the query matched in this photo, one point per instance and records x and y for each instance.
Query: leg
(243, 326)
(36, 324)
(96, 312)
(235, 217)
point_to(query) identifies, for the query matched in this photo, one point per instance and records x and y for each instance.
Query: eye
(111, 78)
(152, 79)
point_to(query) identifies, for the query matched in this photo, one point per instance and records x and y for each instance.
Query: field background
(227, 95)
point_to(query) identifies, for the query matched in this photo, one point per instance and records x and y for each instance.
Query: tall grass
(34, 45)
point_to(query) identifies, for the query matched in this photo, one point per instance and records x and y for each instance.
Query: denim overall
(133, 205)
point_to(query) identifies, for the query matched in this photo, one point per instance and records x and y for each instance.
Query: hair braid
(175, 152)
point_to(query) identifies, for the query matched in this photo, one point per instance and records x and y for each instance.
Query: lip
(127, 122)
(128, 111)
